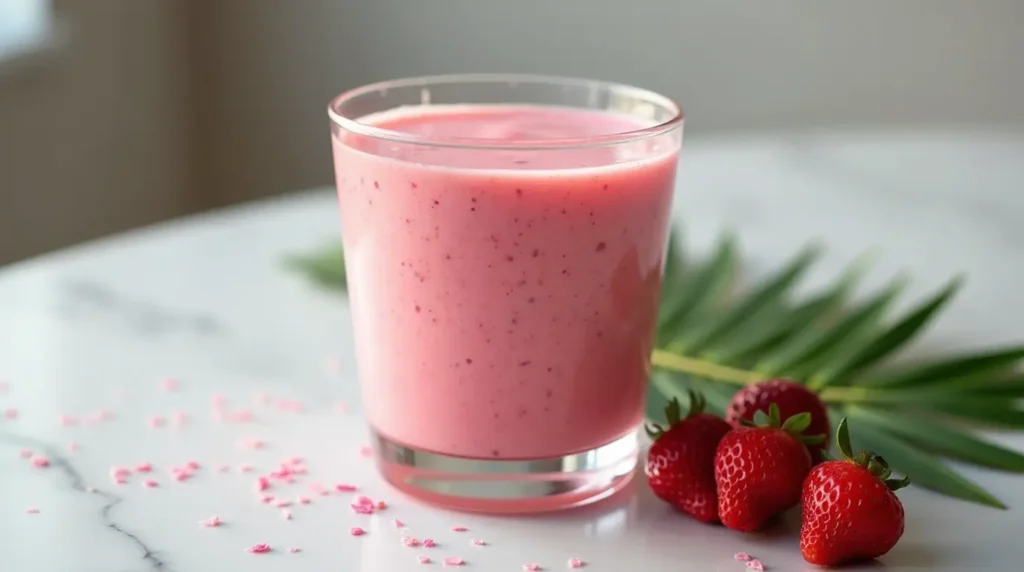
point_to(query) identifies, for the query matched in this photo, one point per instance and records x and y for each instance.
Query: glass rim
(353, 124)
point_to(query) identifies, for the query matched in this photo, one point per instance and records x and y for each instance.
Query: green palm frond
(716, 336)
(918, 416)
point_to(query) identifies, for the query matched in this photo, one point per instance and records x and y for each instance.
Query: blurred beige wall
(735, 64)
(160, 107)
(93, 130)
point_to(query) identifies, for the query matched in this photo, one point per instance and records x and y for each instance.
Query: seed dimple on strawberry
(680, 462)
(760, 469)
(849, 510)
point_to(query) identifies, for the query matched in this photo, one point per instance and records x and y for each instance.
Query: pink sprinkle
(453, 561)
(104, 415)
(576, 563)
(119, 480)
(294, 461)
(156, 421)
(11, 413)
(343, 488)
(294, 549)
(531, 567)
(25, 453)
(281, 503)
(251, 443)
(302, 500)
(222, 468)
(459, 529)
(212, 522)
(40, 462)
(755, 565)
(245, 468)
(119, 472)
(366, 451)
(356, 531)
(742, 557)
(259, 548)
(169, 384)
(318, 488)
(4, 386)
(67, 420)
(286, 514)
(150, 484)
(193, 466)
(398, 523)
(32, 510)
(143, 467)
(283, 472)
(429, 543)
(73, 446)
(266, 499)
(362, 509)
(477, 542)
(218, 400)
(241, 416)
(362, 500)
(181, 476)
(410, 541)
(287, 405)
(262, 484)
(423, 559)
(381, 505)
(179, 418)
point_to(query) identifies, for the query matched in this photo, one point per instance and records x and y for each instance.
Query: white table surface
(205, 300)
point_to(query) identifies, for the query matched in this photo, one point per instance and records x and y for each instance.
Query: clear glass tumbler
(504, 238)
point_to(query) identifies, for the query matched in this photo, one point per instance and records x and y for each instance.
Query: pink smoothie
(503, 300)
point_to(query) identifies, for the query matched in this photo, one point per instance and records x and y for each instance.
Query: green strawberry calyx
(794, 425)
(674, 413)
(875, 464)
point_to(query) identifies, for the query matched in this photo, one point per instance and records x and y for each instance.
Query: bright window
(23, 24)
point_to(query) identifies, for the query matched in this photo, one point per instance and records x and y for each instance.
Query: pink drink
(504, 298)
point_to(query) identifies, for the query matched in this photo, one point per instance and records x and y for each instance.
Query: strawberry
(849, 510)
(759, 468)
(680, 463)
(792, 398)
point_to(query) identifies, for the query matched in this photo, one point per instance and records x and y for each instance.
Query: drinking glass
(504, 239)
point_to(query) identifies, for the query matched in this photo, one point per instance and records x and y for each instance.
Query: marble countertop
(88, 335)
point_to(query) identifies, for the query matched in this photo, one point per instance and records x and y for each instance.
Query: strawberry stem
(875, 464)
(674, 413)
(843, 440)
(795, 425)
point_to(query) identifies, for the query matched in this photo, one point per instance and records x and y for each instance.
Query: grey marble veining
(205, 300)
(65, 467)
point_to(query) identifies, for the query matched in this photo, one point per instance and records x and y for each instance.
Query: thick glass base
(508, 486)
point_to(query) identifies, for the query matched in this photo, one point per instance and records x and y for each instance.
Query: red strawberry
(792, 398)
(759, 469)
(849, 510)
(680, 463)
